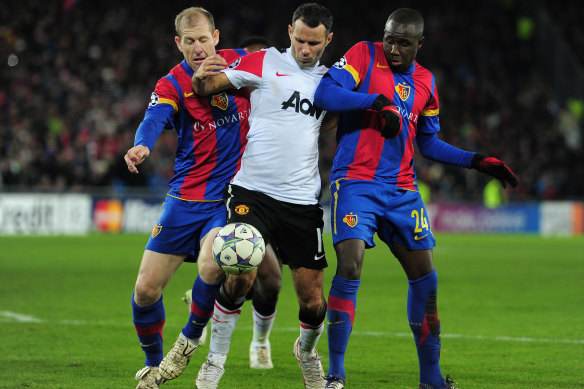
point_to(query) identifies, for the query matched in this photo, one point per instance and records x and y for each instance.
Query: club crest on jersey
(340, 63)
(153, 100)
(403, 91)
(220, 101)
(241, 209)
(156, 230)
(234, 64)
(351, 220)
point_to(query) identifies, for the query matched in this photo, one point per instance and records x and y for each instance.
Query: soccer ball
(238, 248)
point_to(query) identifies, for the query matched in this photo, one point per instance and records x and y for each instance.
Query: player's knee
(238, 286)
(267, 293)
(146, 294)
(313, 313)
(349, 269)
(209, 271)
(268, 288)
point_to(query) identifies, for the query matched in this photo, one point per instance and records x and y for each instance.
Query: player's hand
(495, 168)
(392, 119)
(210, 67)
(135, 156)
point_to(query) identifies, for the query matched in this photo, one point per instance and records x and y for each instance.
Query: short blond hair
(191, 16)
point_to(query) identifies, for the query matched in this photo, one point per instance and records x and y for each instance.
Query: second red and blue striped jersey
(362, 153)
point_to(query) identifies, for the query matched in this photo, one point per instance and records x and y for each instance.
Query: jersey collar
(187, 68)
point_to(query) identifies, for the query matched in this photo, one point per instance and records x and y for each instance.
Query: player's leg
(148, 310)
(203, 294)
(342, 303)
(354, 213)
(227, 310)
(308, 286)
(422, 311)
(407, 232)
(266, 289)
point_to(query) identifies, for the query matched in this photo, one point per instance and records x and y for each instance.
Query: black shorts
(293, 230)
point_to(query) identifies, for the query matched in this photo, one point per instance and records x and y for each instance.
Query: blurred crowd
(77, 77)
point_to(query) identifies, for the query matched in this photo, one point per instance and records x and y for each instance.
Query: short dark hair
(254, 40)
(408, 16)
(313, 15)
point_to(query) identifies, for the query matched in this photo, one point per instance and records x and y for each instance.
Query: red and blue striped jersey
(362, 153)
(211, 131)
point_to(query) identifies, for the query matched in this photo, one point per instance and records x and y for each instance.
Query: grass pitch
(511, 307)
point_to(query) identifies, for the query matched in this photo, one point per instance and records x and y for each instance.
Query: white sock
(309, 336)
(262, 325)
(224, 321)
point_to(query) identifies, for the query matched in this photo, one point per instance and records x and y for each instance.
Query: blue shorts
(183, 223)
(360, 208)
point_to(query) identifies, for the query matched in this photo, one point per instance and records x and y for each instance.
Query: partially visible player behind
(210, 143)
(387, 100)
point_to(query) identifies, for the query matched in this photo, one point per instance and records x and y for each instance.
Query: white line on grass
(13, 316)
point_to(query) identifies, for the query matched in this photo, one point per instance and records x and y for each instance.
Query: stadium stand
(77, 76)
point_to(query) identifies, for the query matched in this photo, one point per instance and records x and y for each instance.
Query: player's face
(400, 44)
(197, 43)
(307, 43)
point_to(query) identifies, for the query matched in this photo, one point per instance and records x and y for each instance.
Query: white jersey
(281, 156)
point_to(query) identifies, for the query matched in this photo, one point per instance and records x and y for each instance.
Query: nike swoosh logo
(382, 66)
(416, 237)
(197, 323)
(335, 322)
(188, 94)
(317, 257)
(280, 74)
(147, 345)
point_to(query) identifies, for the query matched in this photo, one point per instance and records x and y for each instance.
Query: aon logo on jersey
(303, 106)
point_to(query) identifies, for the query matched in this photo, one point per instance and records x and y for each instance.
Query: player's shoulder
(421, 70)
(364, 45)
(232, 54)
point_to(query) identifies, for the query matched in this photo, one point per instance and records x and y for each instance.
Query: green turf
(512, 311)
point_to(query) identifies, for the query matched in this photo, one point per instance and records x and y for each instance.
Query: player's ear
(178, 43)
(215, 37)
(421, 41)
(329, 38)
(290, 31)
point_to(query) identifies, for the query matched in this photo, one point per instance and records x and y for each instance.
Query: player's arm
(208, 78)
(148, 131)
(329, 123)
(333, 96)
(437, 150)
(337, 96)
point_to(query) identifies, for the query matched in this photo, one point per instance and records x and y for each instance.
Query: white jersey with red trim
(281, 156)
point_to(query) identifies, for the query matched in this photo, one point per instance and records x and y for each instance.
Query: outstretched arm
(208, 78)
(433, 148)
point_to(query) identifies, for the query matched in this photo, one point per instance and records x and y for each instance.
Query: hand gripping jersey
(281, 157)
(211, 132)
(362, 153)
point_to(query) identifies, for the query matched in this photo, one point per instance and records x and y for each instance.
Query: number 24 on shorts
(421, 222)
